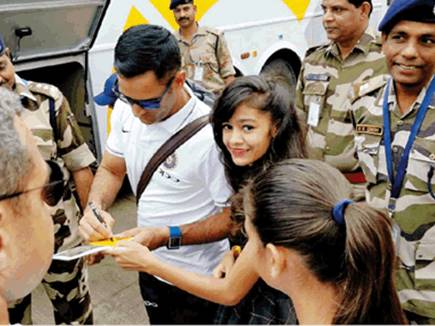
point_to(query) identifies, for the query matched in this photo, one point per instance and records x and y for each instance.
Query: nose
(327, 16)
(409, 50)
(236, 137)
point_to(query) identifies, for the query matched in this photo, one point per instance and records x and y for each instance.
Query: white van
(70, 43)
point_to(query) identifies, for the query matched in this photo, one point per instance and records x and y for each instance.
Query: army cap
(413, 10)
(107, 96)
(175, 3)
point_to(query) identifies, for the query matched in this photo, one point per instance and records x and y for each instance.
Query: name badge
(369, 129)
(313, 114)
(318, 77)
(199, 72)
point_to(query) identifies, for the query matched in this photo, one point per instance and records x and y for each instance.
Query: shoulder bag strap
(176, 140)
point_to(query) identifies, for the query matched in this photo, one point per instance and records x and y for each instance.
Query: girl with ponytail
(333, 257)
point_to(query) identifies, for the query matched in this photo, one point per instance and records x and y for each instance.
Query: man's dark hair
(358, 3)
(145, 48)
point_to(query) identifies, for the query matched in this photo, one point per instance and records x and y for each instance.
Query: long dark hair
(266, 95)
(291, 205)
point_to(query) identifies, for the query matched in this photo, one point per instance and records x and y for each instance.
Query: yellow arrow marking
(163, 7)
(298, 7)
(134, 18)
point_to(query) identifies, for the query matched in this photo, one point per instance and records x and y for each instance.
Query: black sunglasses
(150, 104)
(52, 191)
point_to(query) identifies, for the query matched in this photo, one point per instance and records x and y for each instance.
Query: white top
(189, 186)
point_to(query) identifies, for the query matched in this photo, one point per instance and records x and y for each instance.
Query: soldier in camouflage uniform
(204, 52)
(325, 79)
(65, 282)
(409, 46)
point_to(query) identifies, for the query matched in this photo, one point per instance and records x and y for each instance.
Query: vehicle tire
(282, 71)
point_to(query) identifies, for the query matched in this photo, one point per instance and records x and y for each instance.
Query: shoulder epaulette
(213, 31)
(44, 89)
(315, 48)
(368, 86)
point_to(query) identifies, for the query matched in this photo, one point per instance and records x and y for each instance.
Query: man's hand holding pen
(96, 224)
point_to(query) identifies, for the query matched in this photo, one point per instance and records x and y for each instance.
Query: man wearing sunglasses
(182, 213)
(26, 229)
(58, 136)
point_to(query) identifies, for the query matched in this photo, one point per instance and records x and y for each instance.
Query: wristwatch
(174, 237)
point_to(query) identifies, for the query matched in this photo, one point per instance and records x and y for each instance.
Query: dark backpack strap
(53, 119)
(176, 140)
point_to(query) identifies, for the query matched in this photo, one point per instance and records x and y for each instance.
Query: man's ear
(276, 258)
(365, 9)
(180, 78)
(8, 53)
(383, 39)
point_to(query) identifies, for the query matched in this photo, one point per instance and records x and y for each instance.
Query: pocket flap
(425, 251)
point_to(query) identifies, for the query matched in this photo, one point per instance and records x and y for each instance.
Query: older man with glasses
(58, 136)
(26, 229)
(182, 213)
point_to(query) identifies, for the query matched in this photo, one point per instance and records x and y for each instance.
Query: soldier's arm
(226, 68)
(299, 97)
(83, 181)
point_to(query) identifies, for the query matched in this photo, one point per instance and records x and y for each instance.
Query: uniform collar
(21, 88)
(362, 46)
(392, 100)
(28, 100)
(201, 31)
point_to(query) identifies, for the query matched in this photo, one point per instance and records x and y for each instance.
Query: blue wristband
(174, 237)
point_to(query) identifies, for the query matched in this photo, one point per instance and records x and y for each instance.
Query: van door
(49, 41)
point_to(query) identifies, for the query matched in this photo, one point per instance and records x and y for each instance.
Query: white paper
(77, 252)
(313, 114)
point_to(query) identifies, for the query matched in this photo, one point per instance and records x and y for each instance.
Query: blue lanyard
(396, 182)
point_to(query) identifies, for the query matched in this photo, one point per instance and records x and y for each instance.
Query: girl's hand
(131, 255)
(225, 265)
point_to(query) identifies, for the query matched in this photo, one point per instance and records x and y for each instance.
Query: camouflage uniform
(325, 81)
(65, 282)
(415, 208)
(208, 49)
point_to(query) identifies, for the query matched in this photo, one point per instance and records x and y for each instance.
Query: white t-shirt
(189, 186)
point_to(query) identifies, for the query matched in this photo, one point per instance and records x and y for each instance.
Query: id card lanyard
(396, 181)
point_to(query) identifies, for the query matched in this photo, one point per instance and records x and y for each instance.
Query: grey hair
(14, 159)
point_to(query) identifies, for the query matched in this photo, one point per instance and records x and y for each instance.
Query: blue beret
(413, 10)
(175, 3)
(2, 45)
(107, 97)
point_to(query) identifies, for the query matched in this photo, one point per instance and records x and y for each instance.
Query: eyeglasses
(52, 191)
(150, 104)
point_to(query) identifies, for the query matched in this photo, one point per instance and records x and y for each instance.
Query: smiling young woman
(255, 126)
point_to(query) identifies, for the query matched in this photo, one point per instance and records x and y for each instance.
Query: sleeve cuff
(79, 158)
